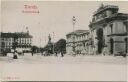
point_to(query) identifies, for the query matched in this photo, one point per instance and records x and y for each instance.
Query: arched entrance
(126, 45)
(111, 45)
(100, 40)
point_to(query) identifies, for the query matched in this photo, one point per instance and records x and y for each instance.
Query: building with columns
(109, 30)
(77, 42)
(21, 40)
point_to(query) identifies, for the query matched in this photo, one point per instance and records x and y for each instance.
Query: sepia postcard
(63, 41)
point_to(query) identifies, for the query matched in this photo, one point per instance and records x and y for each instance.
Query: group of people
(45, 53)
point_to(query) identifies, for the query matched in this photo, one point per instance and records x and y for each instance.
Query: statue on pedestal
(49, 39)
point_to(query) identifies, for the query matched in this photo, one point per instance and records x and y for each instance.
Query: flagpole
(73, 22)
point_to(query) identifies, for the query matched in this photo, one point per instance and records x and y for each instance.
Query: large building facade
(20, 40)
(109, 30)
(77, 42)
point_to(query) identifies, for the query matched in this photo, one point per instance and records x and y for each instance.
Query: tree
(34, 49)
(60, 46)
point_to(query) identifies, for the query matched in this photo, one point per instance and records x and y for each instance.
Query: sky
(54, 17)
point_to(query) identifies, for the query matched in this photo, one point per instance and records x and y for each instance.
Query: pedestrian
(32, 53)
(62, 55)
(56, 53)
(15, 55)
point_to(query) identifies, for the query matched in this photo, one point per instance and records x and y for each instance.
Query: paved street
(37, 67)
(67, 59)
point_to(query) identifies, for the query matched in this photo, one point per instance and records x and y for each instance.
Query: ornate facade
(22, 41)
(109, 30)
(77, 42)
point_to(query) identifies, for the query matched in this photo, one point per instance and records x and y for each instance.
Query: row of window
(124, 23)
(10, 43)
(20, 42)
(17, 47)
(77, 44)
(24, 41)
(77, 38)
(19, 39)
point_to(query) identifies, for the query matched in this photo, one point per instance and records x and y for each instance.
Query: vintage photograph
(64, 41)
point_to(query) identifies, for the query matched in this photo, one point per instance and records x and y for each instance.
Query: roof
(116, 16)
(106, 7)
(78, 32)
(16, 34)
